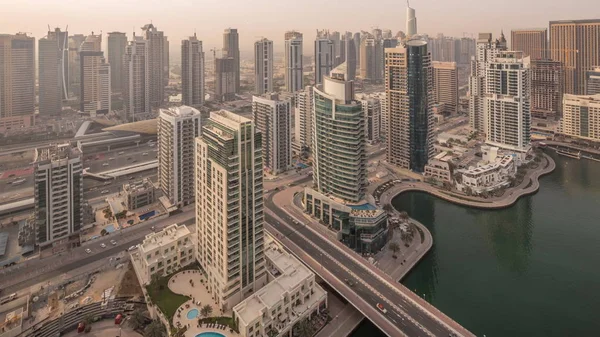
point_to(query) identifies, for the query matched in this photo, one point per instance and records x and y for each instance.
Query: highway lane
(395, 303)
(34, 271)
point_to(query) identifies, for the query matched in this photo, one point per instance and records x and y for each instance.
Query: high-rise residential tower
(324, 55)
(117, 44)
(53, 71)
(293, 61)
(229, 207)
(575, 43)
(156, 64)
(273, 119)
(371, 60)
(263, 66)
(409, 94)
(136, 78)
(372, 111)
(350, 56)
(303, 120)
(592, 82)
(177, 128)
(75, 42)
(486, 51)
(231, 48)
(411, 21)
(445, 86)
(166, 61)
(507, 101)
(546, 88)
(580, 117)
(95, 93)
(58, 194)
(192, 72)
(17, 81)
(532, 42)
(225, 75)
(356, 39)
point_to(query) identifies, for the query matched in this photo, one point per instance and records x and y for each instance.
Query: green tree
(395, 248)
(155, 329)
(388, 208)
(155, 281)
(206, 310)
(304, 328)
(403, 216)
(137, 320)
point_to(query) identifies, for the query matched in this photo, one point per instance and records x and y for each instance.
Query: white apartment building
(291, 296)
(303, 120)
(263, 66)
(95, 96)
(58, 193)
(507, 102)
(488, 177)
(229, 207)
(372, 109)
(136, 78)
(293, 61)
(581, 117)
(385, 113)
(177, 129)
(272, 117)
(163, 252)
(439, 168)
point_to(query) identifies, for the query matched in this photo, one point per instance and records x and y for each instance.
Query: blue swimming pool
(110, 228)
(192, 314)
(210, 334)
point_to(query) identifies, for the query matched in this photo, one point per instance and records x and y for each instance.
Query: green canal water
(529, 270)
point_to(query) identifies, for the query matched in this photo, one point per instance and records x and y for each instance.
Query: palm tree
(305, 329)
(155, 281)
(206, 310)
(403, 216)
(155, 329)
(395, 248)
(137, 320)
(388, 208)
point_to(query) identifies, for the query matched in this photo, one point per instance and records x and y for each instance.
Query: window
(148, 257)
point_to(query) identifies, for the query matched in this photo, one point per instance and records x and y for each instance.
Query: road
(402, 311)
(38, 270)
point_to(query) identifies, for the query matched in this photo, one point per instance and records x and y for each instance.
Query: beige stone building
(445, 86)
(532, 42)
(581, 117)
(139, 194)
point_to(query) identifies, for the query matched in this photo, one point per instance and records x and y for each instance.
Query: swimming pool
(210, 334)
(192, 314)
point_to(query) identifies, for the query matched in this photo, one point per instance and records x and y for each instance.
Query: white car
(102, 245)
(105, 164)
(105, 191)
(132, 248)
(113, 242)
(87, 250)
(122, 152)
(145, 154)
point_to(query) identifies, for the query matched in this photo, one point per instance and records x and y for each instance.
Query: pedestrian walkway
(343, 323)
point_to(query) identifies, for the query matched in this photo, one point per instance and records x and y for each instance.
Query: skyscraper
(303, 120)
(229, 207)
(177, 128)
(465, 50)
(136, 78)
(372, 111)
(58, 194)
(225, 75)
(350, 56)
(263, 66)
(17, 81)
(371, 60)
(272, 118)
(95, 94)
(156, 64)
(411, 21)
(546, 88)
(117, 44)
(592, 82)
(192, 72)
(356, 39)
(445, 86)
(231, 48)
(336, 40)
(75, 42)
(324, 55)
(53, 72)
(409, 94)
(166, 61)
(575, 43)
(338, 139)
(532, 42)
(486, 52)
(293, 61)
(507, 101)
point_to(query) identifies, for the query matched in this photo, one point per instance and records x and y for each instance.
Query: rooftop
(167, 235)
(57, 152)
(138, 186)
(180, 111)
(147, 127)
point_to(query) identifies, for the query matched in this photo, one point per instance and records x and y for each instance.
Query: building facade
(546, 88)
(53, 72)
(293, 63)
(58, 194)
(581, 117)
(156, 64)
(225, 74)
(229, 207)
(136, 79)
(575, 43)
(117, 44)
(273, 119)
(192, 72)
(263, 66)
(409, 95)
(95, 87)
(532, 42)
(231, 48)
(75, 42)
(17, 80)
(507, 102)
(445, 86)
(324, 56)
(139, 194)
(371, 60)
(592, 82)
(177, 129)
(303, 114)
(372, 111)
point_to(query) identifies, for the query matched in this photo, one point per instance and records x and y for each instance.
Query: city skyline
(209, 22)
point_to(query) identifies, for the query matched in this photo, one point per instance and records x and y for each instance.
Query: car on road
(105, 164)
(87, 250)
(111, 158)
(103, 245)
(381, 308)
(132, 248)
(135, 161)
(349, 282)
(145, 154)
(122, 152)
(105, 191)
(128, 158)
(113, 242)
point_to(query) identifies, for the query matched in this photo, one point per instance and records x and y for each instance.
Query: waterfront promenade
(529, 185)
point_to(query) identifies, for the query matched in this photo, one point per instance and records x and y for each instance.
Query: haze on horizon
(267, 18)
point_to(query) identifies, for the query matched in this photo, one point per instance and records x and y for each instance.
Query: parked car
(103, 245)
(132, 248)
(113, 242)
(105, 191)
(87, 250)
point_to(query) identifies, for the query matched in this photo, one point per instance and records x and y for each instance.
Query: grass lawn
(165, 299)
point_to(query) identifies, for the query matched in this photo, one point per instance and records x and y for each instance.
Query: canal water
(529, 270)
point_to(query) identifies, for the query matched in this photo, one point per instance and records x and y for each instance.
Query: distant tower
(95, 94)
(156, 63)
(263, 66)
(231, 48)
(324, 56)
(293, 61)
(117, 44)
(136, 78)
(192, 71)
(411, 21)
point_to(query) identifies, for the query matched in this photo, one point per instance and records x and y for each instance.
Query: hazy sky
(269, 18)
